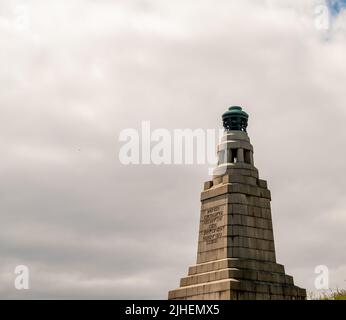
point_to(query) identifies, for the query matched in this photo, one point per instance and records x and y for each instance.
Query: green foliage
(338, 294)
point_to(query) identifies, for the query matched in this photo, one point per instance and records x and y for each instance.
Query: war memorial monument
(236, 253)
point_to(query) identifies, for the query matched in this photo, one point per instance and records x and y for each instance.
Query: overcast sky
(73, 74)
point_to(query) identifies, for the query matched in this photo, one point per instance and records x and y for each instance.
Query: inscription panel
(212, 224)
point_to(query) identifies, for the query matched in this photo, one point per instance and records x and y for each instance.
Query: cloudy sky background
(73, 74)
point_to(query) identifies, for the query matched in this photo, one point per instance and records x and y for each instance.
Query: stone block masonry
(236, 252)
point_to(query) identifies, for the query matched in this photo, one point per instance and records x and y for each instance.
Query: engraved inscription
(212, 230)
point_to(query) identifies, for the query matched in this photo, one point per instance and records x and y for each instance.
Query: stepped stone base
(237, 279)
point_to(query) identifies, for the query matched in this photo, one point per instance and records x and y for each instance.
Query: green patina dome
(235, 119)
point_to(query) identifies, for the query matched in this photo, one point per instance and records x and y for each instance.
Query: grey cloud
(79, 73)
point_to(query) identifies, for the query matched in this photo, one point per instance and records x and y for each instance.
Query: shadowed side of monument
(236, 253)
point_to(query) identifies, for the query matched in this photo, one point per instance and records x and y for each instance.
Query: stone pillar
(229, 155)
(222, 156)
(240, 155)
(251, 158)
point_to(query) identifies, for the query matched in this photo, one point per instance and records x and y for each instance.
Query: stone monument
(236, 254)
